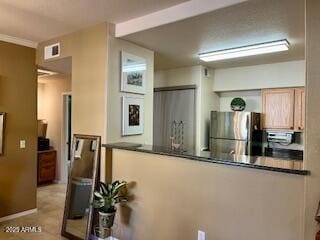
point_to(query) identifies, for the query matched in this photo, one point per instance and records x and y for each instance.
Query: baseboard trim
(59, 182)
(17, 215)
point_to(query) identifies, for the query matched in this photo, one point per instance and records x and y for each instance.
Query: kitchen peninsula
(290, 166)
(247, 111)
(213, 192)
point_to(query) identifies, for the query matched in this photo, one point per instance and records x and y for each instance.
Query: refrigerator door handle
(248, 151)
(248, 127)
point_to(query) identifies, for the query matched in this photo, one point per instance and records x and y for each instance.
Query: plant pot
(106, 220)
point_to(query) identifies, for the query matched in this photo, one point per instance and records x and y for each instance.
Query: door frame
(64, 150)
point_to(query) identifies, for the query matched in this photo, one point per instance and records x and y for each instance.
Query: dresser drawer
(45, 157)
(47, 161)
(47, 173)
(46, 166)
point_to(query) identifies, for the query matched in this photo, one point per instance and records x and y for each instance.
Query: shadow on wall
(125, 211)
(5, 165)
(8, 187)
(9, 193)
(1, 92)
(6, 91)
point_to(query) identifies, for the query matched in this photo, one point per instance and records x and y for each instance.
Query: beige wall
(177, 77)
(312, 147)
(209, 102)
(276, 75)
(41, 103)
(176, 197)
(114, 94)
(18, 98)
(253, 100)
(50, 108)
(88, 49)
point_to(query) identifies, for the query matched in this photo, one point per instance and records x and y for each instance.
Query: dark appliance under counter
(287, 154)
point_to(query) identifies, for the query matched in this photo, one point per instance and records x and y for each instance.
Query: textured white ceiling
(39, 20)
(256, 21)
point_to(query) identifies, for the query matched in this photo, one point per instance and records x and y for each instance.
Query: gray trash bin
(79, 197)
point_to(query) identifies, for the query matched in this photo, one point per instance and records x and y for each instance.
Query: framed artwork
(2, 120)
(133, 73)
(132, 116)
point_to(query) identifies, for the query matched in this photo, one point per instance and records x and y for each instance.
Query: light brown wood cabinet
(300, 109)
(283, 108)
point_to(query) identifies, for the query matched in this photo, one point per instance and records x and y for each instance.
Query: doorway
(54, 108)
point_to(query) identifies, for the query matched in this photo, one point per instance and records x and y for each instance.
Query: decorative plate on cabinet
(238, 104)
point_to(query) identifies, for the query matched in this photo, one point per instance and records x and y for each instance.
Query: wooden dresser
(47, 161)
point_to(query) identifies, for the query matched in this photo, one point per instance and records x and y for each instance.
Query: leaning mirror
(2, 119)
(83, 176)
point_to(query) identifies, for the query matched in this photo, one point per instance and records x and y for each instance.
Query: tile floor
(49, 216)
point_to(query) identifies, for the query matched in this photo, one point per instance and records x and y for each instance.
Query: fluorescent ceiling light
(45, 73)
(256, 49)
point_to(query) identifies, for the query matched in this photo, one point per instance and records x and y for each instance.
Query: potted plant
(105, 200)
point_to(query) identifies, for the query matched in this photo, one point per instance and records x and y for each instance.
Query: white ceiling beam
(176, 13)
(18, 41)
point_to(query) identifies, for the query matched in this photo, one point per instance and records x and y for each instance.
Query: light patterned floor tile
(50, 205)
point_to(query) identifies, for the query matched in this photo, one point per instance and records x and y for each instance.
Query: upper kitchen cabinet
(283, 108)
(278, 108)
(300, 109)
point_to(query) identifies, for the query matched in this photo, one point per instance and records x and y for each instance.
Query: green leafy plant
(238, 104)
(108, 195)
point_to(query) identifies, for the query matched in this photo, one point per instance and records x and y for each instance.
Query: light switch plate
(22, 144)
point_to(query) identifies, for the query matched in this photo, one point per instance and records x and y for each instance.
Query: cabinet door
(300, 112)
(278, 108)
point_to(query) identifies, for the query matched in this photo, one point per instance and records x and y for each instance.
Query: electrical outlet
(201, 235)
(22, 144)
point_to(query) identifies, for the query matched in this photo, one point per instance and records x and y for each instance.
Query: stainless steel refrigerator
(174, 118)
(235, 133)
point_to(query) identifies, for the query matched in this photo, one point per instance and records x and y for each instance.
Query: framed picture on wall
(133, 73)
(2, 121)
(132, 116)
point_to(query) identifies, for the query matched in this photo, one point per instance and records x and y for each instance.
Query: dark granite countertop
(257, 162)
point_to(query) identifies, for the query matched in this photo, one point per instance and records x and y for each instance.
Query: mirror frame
(2, 128)
(95, 178)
